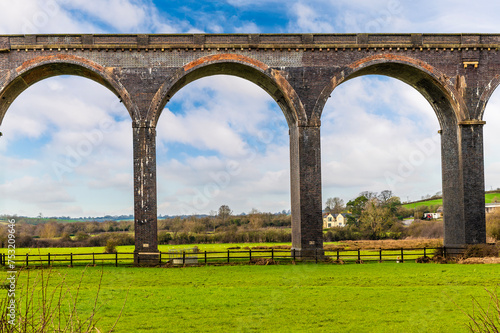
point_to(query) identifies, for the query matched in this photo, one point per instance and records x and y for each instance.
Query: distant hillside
(489, 197)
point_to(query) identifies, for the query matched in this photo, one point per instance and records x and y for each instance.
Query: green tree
(224, 213)
(373, 216)
(355, 208)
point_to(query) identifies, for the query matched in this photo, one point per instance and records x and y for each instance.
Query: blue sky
(67, 144)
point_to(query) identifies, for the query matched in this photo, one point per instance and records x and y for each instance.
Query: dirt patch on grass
(264, 261)
(387, 244)
(486, 260)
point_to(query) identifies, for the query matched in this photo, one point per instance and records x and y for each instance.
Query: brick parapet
(254, 41)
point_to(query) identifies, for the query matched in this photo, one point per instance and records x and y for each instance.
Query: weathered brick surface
(457, 74)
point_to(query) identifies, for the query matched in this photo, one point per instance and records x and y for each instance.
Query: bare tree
(334, 205)
(384, 196)
(368, 195)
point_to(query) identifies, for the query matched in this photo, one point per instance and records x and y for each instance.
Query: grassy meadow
(307, 297)
(488, 198)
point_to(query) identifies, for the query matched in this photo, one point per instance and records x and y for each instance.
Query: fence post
(27, 259)
(228, 256)
(444, 251)
(93, 259)
(250, 254)
(359, 255)
(183, 257)
(402, 255)
(380, 254)
(272, 254)
(160, 258)
(293, 254)
(48, 258)
(205, 257)
(71, 259)
(425, 255)
(338, 255)
(116, 259)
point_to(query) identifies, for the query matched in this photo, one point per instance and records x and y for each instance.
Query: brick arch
(40, 68)
(488, 91)
(444, 96)
(237, 65)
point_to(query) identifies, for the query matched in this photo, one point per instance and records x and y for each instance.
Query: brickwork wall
(455, 72)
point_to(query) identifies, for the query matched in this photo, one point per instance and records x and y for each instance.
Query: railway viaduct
(456, 73)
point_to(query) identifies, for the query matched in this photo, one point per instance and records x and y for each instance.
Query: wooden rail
(219, 257)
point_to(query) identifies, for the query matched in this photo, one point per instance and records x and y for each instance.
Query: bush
(480, 251)
(493, 224)
(81, 236)
(164, 237)
(425, 229)
(110, 246)
(485, 318)
(120, 239)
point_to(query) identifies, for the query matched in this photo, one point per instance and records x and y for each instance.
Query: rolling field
(386, 297)
(488, 198)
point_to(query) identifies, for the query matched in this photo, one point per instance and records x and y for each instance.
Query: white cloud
(85, 16)
(308, 20)
(248, 28)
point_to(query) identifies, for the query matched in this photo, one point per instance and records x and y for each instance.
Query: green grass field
(130, 248)
(386, 297)
(488, 198)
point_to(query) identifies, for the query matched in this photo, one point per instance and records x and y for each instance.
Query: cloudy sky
(67, 144)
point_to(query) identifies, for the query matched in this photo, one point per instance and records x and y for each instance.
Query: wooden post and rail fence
(194, 257)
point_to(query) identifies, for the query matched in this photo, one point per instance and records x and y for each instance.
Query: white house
(334, 220)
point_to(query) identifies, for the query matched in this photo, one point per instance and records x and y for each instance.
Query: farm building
(491, 207)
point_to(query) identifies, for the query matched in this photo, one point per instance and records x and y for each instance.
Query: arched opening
(492, 165)
(397, 145)
(222, 140)
(379, 134)
(491, 139)
(66, 146)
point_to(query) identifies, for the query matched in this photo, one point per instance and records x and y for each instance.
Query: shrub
(81, 236)
(110, 246)
(485, 319)
(164, 237)
(480, 251)
(426, 229)
(423, 260)
(493, 224)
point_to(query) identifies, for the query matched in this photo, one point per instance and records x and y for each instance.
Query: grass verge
(385, 297)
